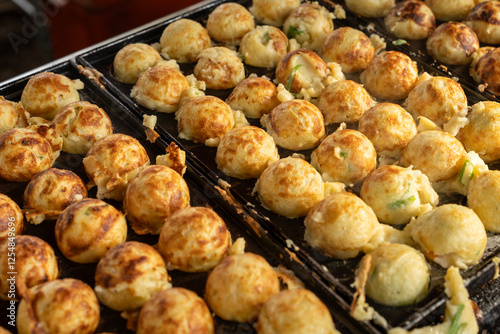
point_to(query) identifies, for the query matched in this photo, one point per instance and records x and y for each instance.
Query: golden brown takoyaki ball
(133, 59)
(410, 19)
(229, 22)
(81, 124)
(483, 198)
(488, 70)
(175, 311)
(345, 156)
(11, 218)
(273, 12)
(153, 196)
(450, 235)
(239, 286)
(245, 152)
(454, 10)
(87, 229)
(348, 47)
(295, 125)
(12, 115)
(340, 225)
(60, 306)
(112, 162)
(473, 70)
(290, 187)
(264, 46)
(344, 101)
(220, 68)
(50, 192)
(129, 274)
(254, 96)
(484, 19)
(370, 8)
(453, 43)
(183, 40)
(46, 93)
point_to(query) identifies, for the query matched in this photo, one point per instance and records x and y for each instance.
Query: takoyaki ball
(50, 192)
(81, 124)
(153, 196)
(484, 19)
(245, 152)
(60, 306)
(219, 68)
(160, 88)
(488, 70)
(348, 47)
(12, 115)
(290, 187)
(370, 8)
(129, 274)
(344, 101)
(229, 22)
(411, 19)
(340, 225)
(345, 156)
(390, 76)
(296, 311)
(435, 153)
(295, 125)
(309, 24)
(397, 194)
(183, 40)
(389, 127)
(481, 134)
(450, 235)
(254, 96)
(46, 93)
(483, 197)
(398, 275)
(133, 59)
(473, 70)
(273, 12)
(11, 218)
(453, 43)
(176, 311)
(35, 263)
(112, 162)
(239, 286)
(194, 239)
(264, 46)
(455, 10)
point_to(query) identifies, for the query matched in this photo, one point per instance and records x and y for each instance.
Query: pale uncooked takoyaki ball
(295, 125)
(340, 225)
(175, 311)
(35, 263)
(60, 306)
(239, 286)
(482, 133)
(345, 156)
(81, 124)
(229, 22)
(129, 274)
(153, 196)
(410, 19)
(454, 10)
(290, 187)
(133, 59)
(348, 47)
(245, 152)
(264, 46)
(389, 127)
(390, 76)
(397, 194)
(50, 192)
(398, 275)
(46, 93)
(488, 70)
(484, 19)
(453, 43)
(483, 197)
(473, 70)
(205, 120)
(160, 88)
(450, 235)
(370, 8)
(254, 96)
(87, 229)
(220, 68)
(273, 12)
(435, 153)
(112, 162)
(194, 239)
(296, 311)
(11, 218)
(183, 40)
(344, 101)
(12, 115)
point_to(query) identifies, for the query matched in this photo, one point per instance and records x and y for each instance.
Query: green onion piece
(87, 212)
(399, 42)
(462, 171)
(343, 154)
(242, 57)
(402, 202)
(293, 32)
(266, 38)
(455, 326)
(290, 77)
